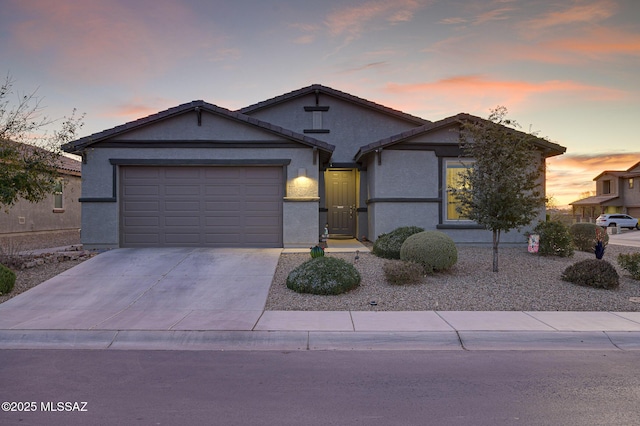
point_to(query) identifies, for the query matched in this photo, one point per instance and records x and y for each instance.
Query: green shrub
(592, 273)
(7, 279)
(585, 236)
(555, 239)
(399, 272)
(434, 250)
(631, 263)
(324, 275)
(388, 245)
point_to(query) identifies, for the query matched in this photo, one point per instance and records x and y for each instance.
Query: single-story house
(52, 222)
(273, 174)
(617, 191)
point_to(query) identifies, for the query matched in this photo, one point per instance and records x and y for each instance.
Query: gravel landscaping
(526, 282)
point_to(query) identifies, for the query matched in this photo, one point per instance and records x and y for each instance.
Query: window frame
(58, 196)
(448, 203)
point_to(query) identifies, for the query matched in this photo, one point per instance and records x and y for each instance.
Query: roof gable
(197, 107)
(320, 89)
(549, 148)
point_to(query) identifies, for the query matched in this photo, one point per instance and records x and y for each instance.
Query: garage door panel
(263, 206)
(141, 173)
(220, 191)
(141, 221)
(182, 221)
(201, 206)
(181, 172)
(141, 206)
(182, 238)
(267, 222)
(214, 207)
(214, 223)
(139, 238)
(142, 190)
(182, 190)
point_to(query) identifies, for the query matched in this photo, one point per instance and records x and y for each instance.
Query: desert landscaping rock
(526, 282)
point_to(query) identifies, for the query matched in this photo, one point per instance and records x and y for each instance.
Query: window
(606, 187)
(454, 171)
(630, 183)
(58, 196)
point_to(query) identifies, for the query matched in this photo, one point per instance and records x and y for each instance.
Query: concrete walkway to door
(150, 289)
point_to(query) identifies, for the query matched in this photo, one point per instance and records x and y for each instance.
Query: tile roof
(624, 174)
(80, 144)
(597, 199)
(336, 93)
(64, 163)
(550, 148)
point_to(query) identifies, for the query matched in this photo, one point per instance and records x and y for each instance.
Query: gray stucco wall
(407, 188)
(101, 219)
(350, 125)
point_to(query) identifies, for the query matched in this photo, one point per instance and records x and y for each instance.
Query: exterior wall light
(302, 172)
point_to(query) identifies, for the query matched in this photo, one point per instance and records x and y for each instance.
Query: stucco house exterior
(52, 222)
(272, 174)
(617, 191)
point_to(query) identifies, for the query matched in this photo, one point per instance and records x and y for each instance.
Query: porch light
(302, 172)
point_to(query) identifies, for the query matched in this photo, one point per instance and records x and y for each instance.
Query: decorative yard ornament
(599, 248)
(317, 251)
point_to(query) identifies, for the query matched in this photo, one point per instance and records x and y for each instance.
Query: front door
(341, 201)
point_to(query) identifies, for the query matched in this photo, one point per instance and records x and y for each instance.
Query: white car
(621, 220)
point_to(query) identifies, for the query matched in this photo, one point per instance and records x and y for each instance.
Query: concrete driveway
(629, 238)
(150, 289)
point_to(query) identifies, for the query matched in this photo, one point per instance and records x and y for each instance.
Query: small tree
(500, 189)
(29, 156)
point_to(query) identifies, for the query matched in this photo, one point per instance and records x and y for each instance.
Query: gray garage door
(201, 206)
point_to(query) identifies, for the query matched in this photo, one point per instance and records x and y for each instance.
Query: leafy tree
(29, 155)
(500, 189)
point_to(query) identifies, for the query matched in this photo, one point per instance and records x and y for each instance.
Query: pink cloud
(95, 40)
(600, 42)
(351, 21)
(477, 92)
(137, 107)
(580, 12)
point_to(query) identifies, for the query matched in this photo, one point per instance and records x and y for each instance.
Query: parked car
(621, 220)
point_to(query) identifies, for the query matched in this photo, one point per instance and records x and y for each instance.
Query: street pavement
(213, 299)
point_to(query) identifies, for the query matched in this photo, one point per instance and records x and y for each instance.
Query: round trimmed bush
(324, 275)
(592, 273)
(7, 279)
(585, 236)
(388, 245)
(434, 250)
(555, 239)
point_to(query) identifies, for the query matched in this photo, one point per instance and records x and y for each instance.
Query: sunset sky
(568, 69)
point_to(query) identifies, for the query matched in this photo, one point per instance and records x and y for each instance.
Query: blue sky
(567, 69)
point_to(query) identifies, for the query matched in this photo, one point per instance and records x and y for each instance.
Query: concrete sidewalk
(361, 330)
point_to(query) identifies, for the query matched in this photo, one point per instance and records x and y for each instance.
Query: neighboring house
(52, 222)
(273, 174)
(616, 192)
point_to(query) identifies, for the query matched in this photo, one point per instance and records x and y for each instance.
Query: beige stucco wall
(26, 217)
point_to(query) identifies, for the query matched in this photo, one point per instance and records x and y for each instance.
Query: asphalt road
(320, 388)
